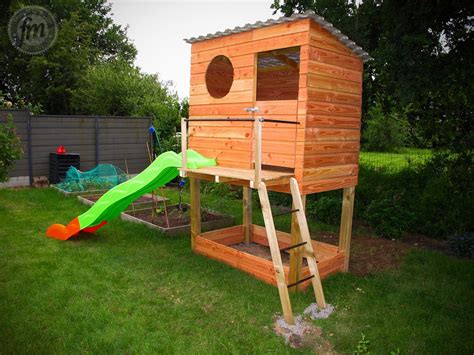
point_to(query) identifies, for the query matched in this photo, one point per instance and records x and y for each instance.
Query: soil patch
(176, 217)
(373, 254)
(262, 251)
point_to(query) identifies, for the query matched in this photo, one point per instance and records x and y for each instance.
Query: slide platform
(161, 171)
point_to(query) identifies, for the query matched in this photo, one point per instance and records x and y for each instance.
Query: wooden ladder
(275, 250)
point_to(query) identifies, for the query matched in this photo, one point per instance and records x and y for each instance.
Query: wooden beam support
(296, 255)
(195, 197)
(184, 147)
(247, 213)
(258, 152)
(345, 231)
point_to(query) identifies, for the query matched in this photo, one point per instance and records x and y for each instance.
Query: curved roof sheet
(357, 50)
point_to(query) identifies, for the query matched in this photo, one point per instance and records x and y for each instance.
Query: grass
(394, 162)
(129, 289)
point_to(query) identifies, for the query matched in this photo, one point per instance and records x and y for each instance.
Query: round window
(219, 76)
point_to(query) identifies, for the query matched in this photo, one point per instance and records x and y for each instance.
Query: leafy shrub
(385, 132)
(462, 244)
(446, 195)
(224, 190)
(10, 147)
(326, 208)
(388, 218)
(433, 199)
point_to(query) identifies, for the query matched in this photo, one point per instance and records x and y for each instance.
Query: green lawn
(394, 162)
(130, 290)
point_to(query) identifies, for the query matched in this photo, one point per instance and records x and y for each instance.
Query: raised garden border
(77, 193)
(223, 222)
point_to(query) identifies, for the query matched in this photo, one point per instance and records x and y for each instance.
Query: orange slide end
(61, 232)
(93, 229)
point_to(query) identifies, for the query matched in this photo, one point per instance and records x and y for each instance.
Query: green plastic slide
(116, 200)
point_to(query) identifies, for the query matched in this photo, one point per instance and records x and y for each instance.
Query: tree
(422, 57)
(10, 148)
(86, 36)
(116, 88)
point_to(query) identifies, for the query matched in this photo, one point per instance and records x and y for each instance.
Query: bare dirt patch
(373, 254)
(175, 216)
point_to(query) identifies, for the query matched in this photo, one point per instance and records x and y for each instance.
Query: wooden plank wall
(333, 114)
(231, 143)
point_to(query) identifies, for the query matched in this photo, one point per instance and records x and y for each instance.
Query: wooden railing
(257, 141)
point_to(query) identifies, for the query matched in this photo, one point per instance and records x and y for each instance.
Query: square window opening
(278, 73)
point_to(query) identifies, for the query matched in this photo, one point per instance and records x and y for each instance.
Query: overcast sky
(158, 27)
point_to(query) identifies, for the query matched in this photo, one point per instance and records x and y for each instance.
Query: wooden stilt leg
(345, 231)
(247, 214)
(275, 252)
(195, 196)
(308, 248)
(296, 255)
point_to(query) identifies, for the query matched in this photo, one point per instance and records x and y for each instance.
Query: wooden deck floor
(226, 174)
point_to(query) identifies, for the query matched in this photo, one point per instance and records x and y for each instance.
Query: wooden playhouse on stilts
(278, 104)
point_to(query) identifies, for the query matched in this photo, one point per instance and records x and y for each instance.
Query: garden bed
(146, 201)
(177, 221)
(78, 193)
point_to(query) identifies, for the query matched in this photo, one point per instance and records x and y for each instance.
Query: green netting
(102, 177)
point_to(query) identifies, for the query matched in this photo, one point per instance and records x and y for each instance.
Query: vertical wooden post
(247, 213)
(184, 146)
(296, 255)
(195, 196)
(345, 231)
(258, 152)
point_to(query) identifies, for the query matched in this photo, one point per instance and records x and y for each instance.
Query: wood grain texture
(195, 204)
(267, 44)
(308, 247)
(345, 230)
(275, 253)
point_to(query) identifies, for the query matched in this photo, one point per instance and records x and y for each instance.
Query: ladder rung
(285, 212)
(300, 281)
(293, 246)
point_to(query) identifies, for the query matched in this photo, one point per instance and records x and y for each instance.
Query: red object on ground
(61, 150)
(61, 232)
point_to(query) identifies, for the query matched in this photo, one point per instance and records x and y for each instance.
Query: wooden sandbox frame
(216, 245)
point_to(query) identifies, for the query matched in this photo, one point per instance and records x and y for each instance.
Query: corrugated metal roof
(270, 22)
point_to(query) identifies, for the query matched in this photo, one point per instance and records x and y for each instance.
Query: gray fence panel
(97, 139)
(49, 132)
(124, 140)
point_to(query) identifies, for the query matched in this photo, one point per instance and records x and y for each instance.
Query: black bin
(60, 163)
